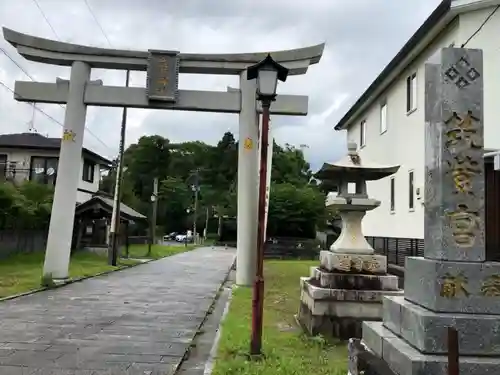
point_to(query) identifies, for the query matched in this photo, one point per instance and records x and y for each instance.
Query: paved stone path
(136, 321)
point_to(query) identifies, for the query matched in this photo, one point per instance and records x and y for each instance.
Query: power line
(59, 39)
(16, 63)
(33, 79)
(49, 116)
(97, 22)
(46, 19)
(481, 26)
(36, 108)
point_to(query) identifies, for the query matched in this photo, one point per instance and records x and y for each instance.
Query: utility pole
(206, 225)
(196, 188)
(115, 216)
(154, 200)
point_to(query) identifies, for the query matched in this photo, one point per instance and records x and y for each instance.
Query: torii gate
(161, 92)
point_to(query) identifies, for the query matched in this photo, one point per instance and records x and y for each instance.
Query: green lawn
(286, 349)
(158, 251)
(23, 272)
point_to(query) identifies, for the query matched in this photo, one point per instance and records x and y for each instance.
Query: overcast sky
(361, 37)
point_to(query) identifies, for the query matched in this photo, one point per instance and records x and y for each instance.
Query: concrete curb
(209, 365)
(75, 280)
(208, 312)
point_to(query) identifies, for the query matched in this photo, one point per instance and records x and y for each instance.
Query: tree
(145, 160)
(290, 166)
(25, 206)
(175, 198)
(295, 211)
(38, 202)
(186, 157)
(174, 164)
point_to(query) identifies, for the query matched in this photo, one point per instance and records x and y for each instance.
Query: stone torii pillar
(161, 92)
(248, 194)
(68, 173)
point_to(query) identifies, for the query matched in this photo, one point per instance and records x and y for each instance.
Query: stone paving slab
(139, 320)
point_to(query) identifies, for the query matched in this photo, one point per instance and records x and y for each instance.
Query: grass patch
(286, 349)
(158, 251)
(23, 272)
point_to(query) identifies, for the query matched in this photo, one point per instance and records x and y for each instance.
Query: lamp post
(154, 214)
(195, 188)
(267, 72)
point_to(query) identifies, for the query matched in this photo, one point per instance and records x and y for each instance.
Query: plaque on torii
(162, 80)
(160, 92)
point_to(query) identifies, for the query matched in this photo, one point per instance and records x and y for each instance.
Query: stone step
(336, 280)
(406, 360)
(338, 312)
(331, 294)
(427, 330)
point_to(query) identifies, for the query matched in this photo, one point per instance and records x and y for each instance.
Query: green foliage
(145, 160)
(296, 201)
(26, 206)
(174, 199)
(48, 281)
(290, 166)
(295, 211)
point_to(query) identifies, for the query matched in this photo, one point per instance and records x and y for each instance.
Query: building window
(383, 117)
(3, 166)
(88, 171)
(362, 134)
(393, 194)
(411, 191)
(43, 170)
(411, 93)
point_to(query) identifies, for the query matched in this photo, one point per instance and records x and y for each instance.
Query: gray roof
(128, 211)
(106, 203)
(40, 142)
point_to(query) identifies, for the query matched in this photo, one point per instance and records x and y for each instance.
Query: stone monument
(348, 286)
(453, 285)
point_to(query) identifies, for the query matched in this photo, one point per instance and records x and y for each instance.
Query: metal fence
(288, 248)
(292, 248)
(397, 249)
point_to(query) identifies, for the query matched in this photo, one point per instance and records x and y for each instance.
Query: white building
(31, 156)
(387, 122)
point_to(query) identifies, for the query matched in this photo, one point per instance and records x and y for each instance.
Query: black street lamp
(267, 72)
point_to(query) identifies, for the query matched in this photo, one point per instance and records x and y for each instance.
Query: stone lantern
(347, 288)
(352, 207)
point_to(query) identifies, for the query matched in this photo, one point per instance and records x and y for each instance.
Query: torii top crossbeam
(161, 92)
(60, 53)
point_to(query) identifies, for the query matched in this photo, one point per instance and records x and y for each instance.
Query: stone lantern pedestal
(347, 287)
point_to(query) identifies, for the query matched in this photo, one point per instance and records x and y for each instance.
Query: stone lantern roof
(353, 166)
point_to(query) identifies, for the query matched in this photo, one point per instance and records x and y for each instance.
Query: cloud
(361, 35)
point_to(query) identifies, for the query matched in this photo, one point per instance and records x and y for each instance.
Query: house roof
(445, 12)
(105, 203)
(39, 142)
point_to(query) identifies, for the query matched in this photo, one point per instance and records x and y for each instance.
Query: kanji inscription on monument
(454, 162)
(163, 76)
(453, 285)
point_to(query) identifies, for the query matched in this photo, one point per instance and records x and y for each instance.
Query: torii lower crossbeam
(135, 97)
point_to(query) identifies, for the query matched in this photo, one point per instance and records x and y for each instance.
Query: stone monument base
(412, 340)
(335, 304)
